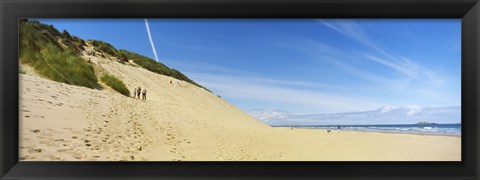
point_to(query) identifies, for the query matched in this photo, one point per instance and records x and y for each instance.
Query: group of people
(137, 91)
(338, 129)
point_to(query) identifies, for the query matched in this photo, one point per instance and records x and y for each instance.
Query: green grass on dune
(103, 47)
(116, 84)
(54, 55)
(157, 67)
(40, 49)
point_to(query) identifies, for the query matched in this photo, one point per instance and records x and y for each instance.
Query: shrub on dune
(104, 47)
(58, 62)
(116, 84)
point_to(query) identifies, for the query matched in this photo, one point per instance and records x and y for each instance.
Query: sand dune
(182, 122)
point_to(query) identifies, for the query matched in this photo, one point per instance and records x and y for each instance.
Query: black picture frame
(467, 10)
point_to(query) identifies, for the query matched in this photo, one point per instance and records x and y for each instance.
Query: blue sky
(300, 66)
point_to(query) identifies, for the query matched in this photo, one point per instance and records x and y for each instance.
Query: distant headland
(421, 122)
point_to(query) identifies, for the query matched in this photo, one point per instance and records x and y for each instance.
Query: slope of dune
(63, 118)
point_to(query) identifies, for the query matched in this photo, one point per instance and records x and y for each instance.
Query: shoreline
(382, 132)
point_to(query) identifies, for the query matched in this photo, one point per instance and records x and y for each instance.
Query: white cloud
(408, 68)
(279, 91)
(411, 79)
(384, 115)
(147, 26)
(320, 53)
(198, 66)
(348, 28)
(401, 64)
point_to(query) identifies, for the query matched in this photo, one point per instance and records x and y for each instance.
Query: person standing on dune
(144, 94)
(134, 92)
(138, 92)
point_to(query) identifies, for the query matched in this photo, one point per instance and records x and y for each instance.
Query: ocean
(434, 129)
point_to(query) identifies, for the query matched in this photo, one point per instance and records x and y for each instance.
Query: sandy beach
(181, 122)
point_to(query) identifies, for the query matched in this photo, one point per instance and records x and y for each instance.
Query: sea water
(435, 129)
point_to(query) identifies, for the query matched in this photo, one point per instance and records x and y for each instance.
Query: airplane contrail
(150, 38)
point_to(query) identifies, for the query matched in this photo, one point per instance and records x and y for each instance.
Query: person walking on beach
(138, 92)
(134, 92)
(338, 128)
(144, 94)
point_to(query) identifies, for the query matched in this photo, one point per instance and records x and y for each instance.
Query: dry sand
(182, 122)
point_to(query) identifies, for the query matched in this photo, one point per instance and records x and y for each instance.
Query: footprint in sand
(77, 156)
(35, 150)
(64, 150)
(27, 157)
